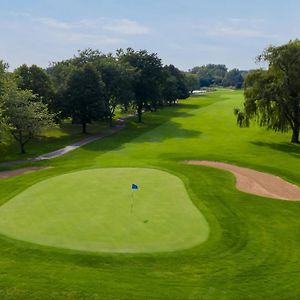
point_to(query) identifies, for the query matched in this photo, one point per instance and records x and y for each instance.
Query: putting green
(91, 211)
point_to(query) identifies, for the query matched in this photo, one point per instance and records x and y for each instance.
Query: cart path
(255, 182)
(79, 144)
(57, 153)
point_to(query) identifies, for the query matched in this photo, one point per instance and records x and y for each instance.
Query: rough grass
(253, 248)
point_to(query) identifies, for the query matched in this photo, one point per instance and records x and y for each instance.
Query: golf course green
(96, 210)
(191, 233)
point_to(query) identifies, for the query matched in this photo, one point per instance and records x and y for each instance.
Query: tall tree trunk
(19, 138)
(139, 110)
(84, 128)
(295, 137)
(110, 121)
(22, 148)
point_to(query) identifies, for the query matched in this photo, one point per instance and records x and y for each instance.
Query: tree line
(91, 85)
(216, 75)
(85, 88)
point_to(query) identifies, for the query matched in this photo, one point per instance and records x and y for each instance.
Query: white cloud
(94, 32)
(121, 27)
(232, 31)
(235, 28)
(19, 14)
(53, 23)
(246, 20)
(78, 38)
(127, 27)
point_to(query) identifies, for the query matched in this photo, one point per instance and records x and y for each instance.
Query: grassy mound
(96, 210)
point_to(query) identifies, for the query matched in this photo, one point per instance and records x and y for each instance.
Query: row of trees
(217, 75)
(129, 79)
(86, 88)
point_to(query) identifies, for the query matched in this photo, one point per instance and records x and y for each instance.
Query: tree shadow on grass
(71, 133)
(140, 135)
(136, 133)
(190, 106)
(289, 148)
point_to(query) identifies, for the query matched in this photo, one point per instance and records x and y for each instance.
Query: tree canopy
(217, 75)
(272, 96)
(35, 79)
(4, 84)
(26, 115)
(148, 75)
(210, 74)
(233, 78)
(84, 95)
(174, 84)
(88, 87)
(118, 79)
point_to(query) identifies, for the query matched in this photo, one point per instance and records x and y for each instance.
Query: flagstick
(131, 209)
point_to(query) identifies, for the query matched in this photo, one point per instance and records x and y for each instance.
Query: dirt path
(258, 183)
(7, 174)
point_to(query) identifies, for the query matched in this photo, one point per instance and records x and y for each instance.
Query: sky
(184, 33)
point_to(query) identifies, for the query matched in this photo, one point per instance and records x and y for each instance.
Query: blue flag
(134, 187)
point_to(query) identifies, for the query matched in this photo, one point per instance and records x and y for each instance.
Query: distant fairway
(91, 211)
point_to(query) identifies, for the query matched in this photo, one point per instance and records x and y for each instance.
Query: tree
(272, 96)
(192, 81)
(35, 79)
(3, 76)
(84, 94)
(233, 78)
(4, 83)
(210, 74)
(27, 116)
(60, 73)
(169, 88)
(182, 88)
(148, 75)
(4, 124)
(118, 79)
(174, 85)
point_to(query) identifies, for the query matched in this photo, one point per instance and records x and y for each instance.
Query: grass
(253, 248)
(50, 140)
(75, 210)
(64, 134)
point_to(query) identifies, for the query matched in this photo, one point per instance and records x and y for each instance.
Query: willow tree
(272, 96)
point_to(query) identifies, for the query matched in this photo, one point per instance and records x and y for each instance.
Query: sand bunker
(258, 183)
(12, 173)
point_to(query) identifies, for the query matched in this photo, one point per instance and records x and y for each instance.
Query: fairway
(96, 210)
